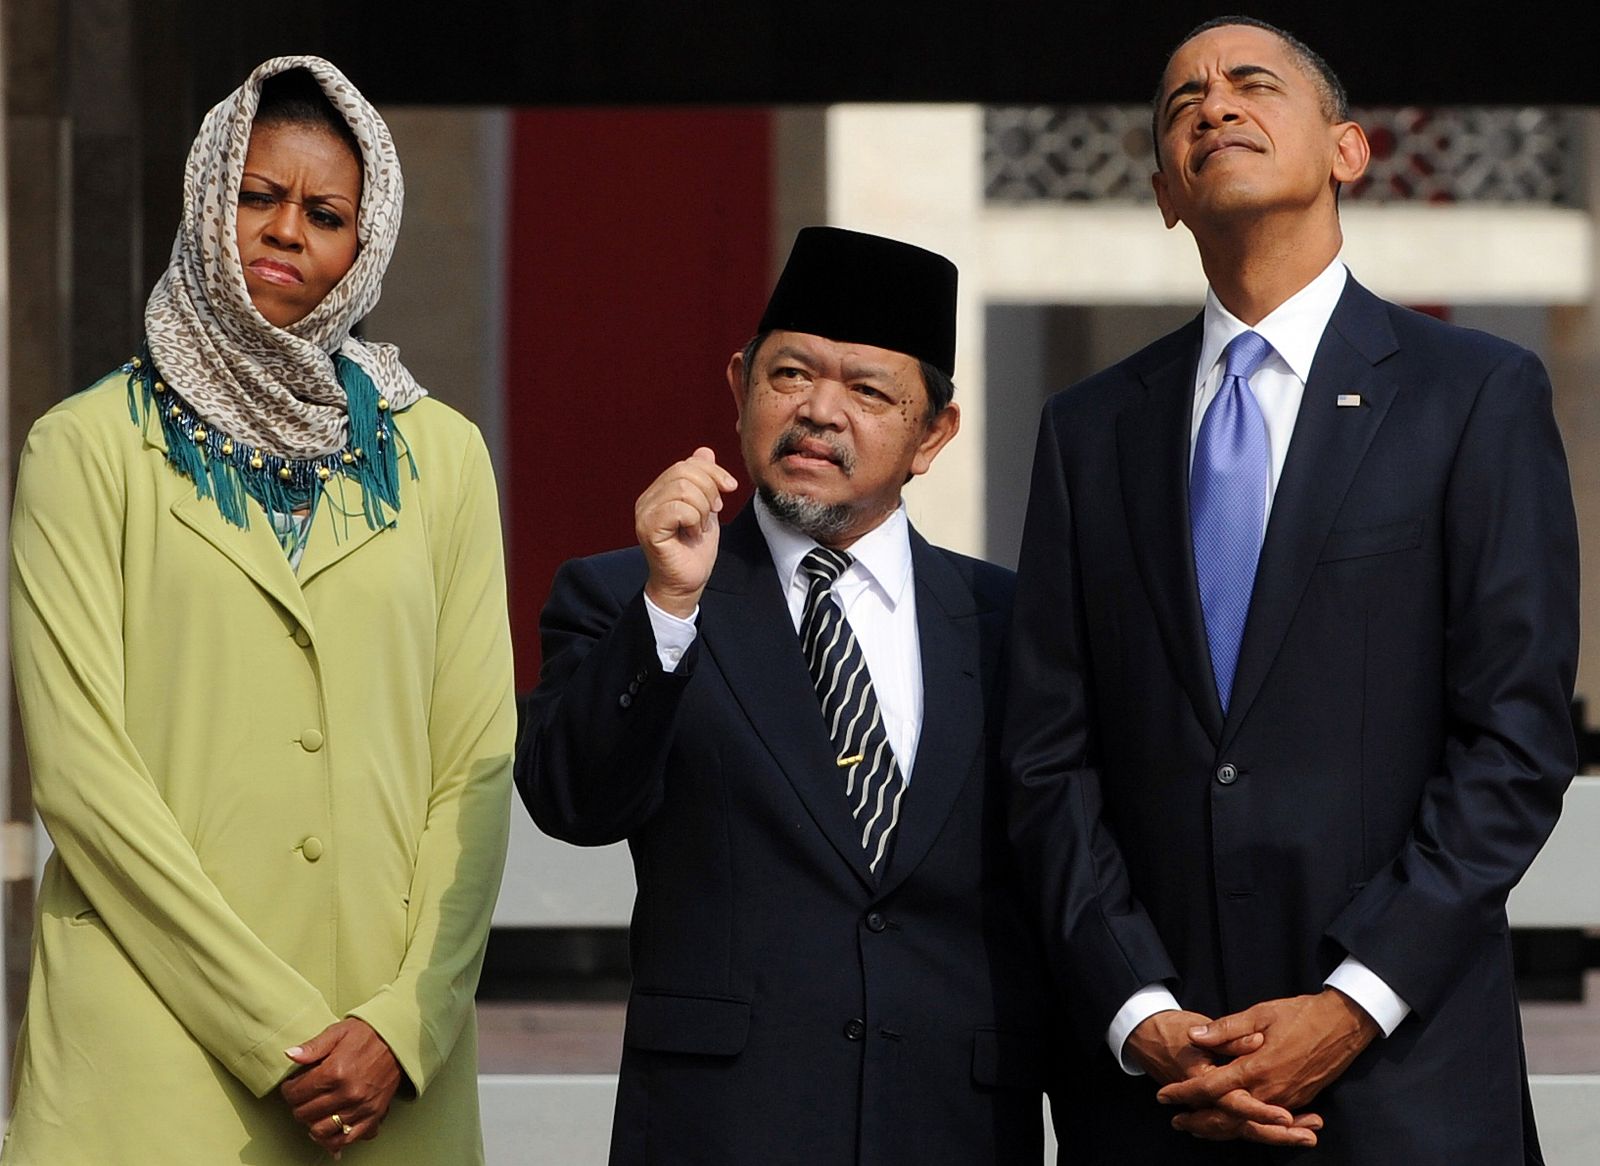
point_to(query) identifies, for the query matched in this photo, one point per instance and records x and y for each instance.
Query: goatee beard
(824, 522)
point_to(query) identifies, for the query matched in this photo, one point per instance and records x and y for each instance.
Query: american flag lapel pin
(1349, 401)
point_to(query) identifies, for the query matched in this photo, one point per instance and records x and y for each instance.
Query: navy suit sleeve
(596, 732)
(1101, 944)
(1511, 637)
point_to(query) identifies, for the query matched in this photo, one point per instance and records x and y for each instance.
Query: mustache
(794, 438)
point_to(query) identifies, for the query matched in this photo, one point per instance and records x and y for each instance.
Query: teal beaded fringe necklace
(231, 471)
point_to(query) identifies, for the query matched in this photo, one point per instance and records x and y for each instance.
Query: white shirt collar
(1294, 328)
(882, 555)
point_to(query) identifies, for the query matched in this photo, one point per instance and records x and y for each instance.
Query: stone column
(6, 856)
(444, 292)
(36, 144)
(95, 118)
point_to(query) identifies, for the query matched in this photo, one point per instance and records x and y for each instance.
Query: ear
(736, 387)
(1158, 180)
(1352, 152)
(945, 424)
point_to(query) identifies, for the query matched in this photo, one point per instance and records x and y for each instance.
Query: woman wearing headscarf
(259, 633)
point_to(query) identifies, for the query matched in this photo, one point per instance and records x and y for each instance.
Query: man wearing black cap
(792, 720)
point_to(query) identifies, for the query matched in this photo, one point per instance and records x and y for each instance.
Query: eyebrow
(851, 373)
(788, 352)
(1237, 73)
(279, 188)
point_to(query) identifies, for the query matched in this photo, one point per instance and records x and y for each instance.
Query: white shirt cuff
(673, 635)
(1366, 988)
(1142, 1005)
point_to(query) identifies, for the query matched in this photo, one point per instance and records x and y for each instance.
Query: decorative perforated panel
(1494, 154)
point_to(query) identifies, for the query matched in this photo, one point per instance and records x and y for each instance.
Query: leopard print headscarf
(275, 389)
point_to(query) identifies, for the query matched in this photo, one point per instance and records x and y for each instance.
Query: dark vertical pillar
(105, 165)
(36, 195)
(95, 107)
(1030, 350)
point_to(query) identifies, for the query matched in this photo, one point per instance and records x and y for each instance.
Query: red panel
(639, 260)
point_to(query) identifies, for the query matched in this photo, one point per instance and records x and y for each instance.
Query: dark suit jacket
(785, 1009)
(1397, 742)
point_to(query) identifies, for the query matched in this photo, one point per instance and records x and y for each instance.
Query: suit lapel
(1328, 445)
(255, 551)
(952, 708)
(745, 625)
(1153, 462)
(340, 528)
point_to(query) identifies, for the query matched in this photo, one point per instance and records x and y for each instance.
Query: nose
(1217, 107)
(286, 227)
(824, 405)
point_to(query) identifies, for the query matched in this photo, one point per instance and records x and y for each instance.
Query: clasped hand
(1248, 1074)
(344, 1093)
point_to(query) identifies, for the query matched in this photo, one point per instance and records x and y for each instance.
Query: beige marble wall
(912, 172)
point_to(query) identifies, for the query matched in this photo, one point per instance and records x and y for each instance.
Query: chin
(279, 317)
(822, 521)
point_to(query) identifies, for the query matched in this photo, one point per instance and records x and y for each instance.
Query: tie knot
(824, 564)
(1245, 354)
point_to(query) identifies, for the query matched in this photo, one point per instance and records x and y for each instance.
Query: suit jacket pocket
(709, 1025)
(1007, 1059)
(1404, 535)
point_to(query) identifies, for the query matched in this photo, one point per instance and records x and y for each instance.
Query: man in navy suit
(1296, 629)
(793, 720)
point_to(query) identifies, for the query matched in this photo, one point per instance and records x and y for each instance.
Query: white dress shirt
(1294, 329)
(876, 595)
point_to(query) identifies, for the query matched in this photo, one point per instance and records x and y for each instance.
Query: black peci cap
(851, 286)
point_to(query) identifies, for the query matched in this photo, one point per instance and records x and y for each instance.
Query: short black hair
(1335, 101)
(293, 98)
(941, 388)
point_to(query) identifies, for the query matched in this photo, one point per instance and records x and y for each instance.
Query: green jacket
(276, 800)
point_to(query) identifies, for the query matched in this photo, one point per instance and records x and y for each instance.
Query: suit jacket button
(855, 1030)
(876, 921)
(625, 700)
(1227, 774)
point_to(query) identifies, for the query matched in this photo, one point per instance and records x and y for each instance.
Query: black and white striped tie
(873, 784)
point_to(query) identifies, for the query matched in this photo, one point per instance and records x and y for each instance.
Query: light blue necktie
(1228, 505)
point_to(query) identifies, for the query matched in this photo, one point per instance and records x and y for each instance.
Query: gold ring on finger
(339, 1124)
